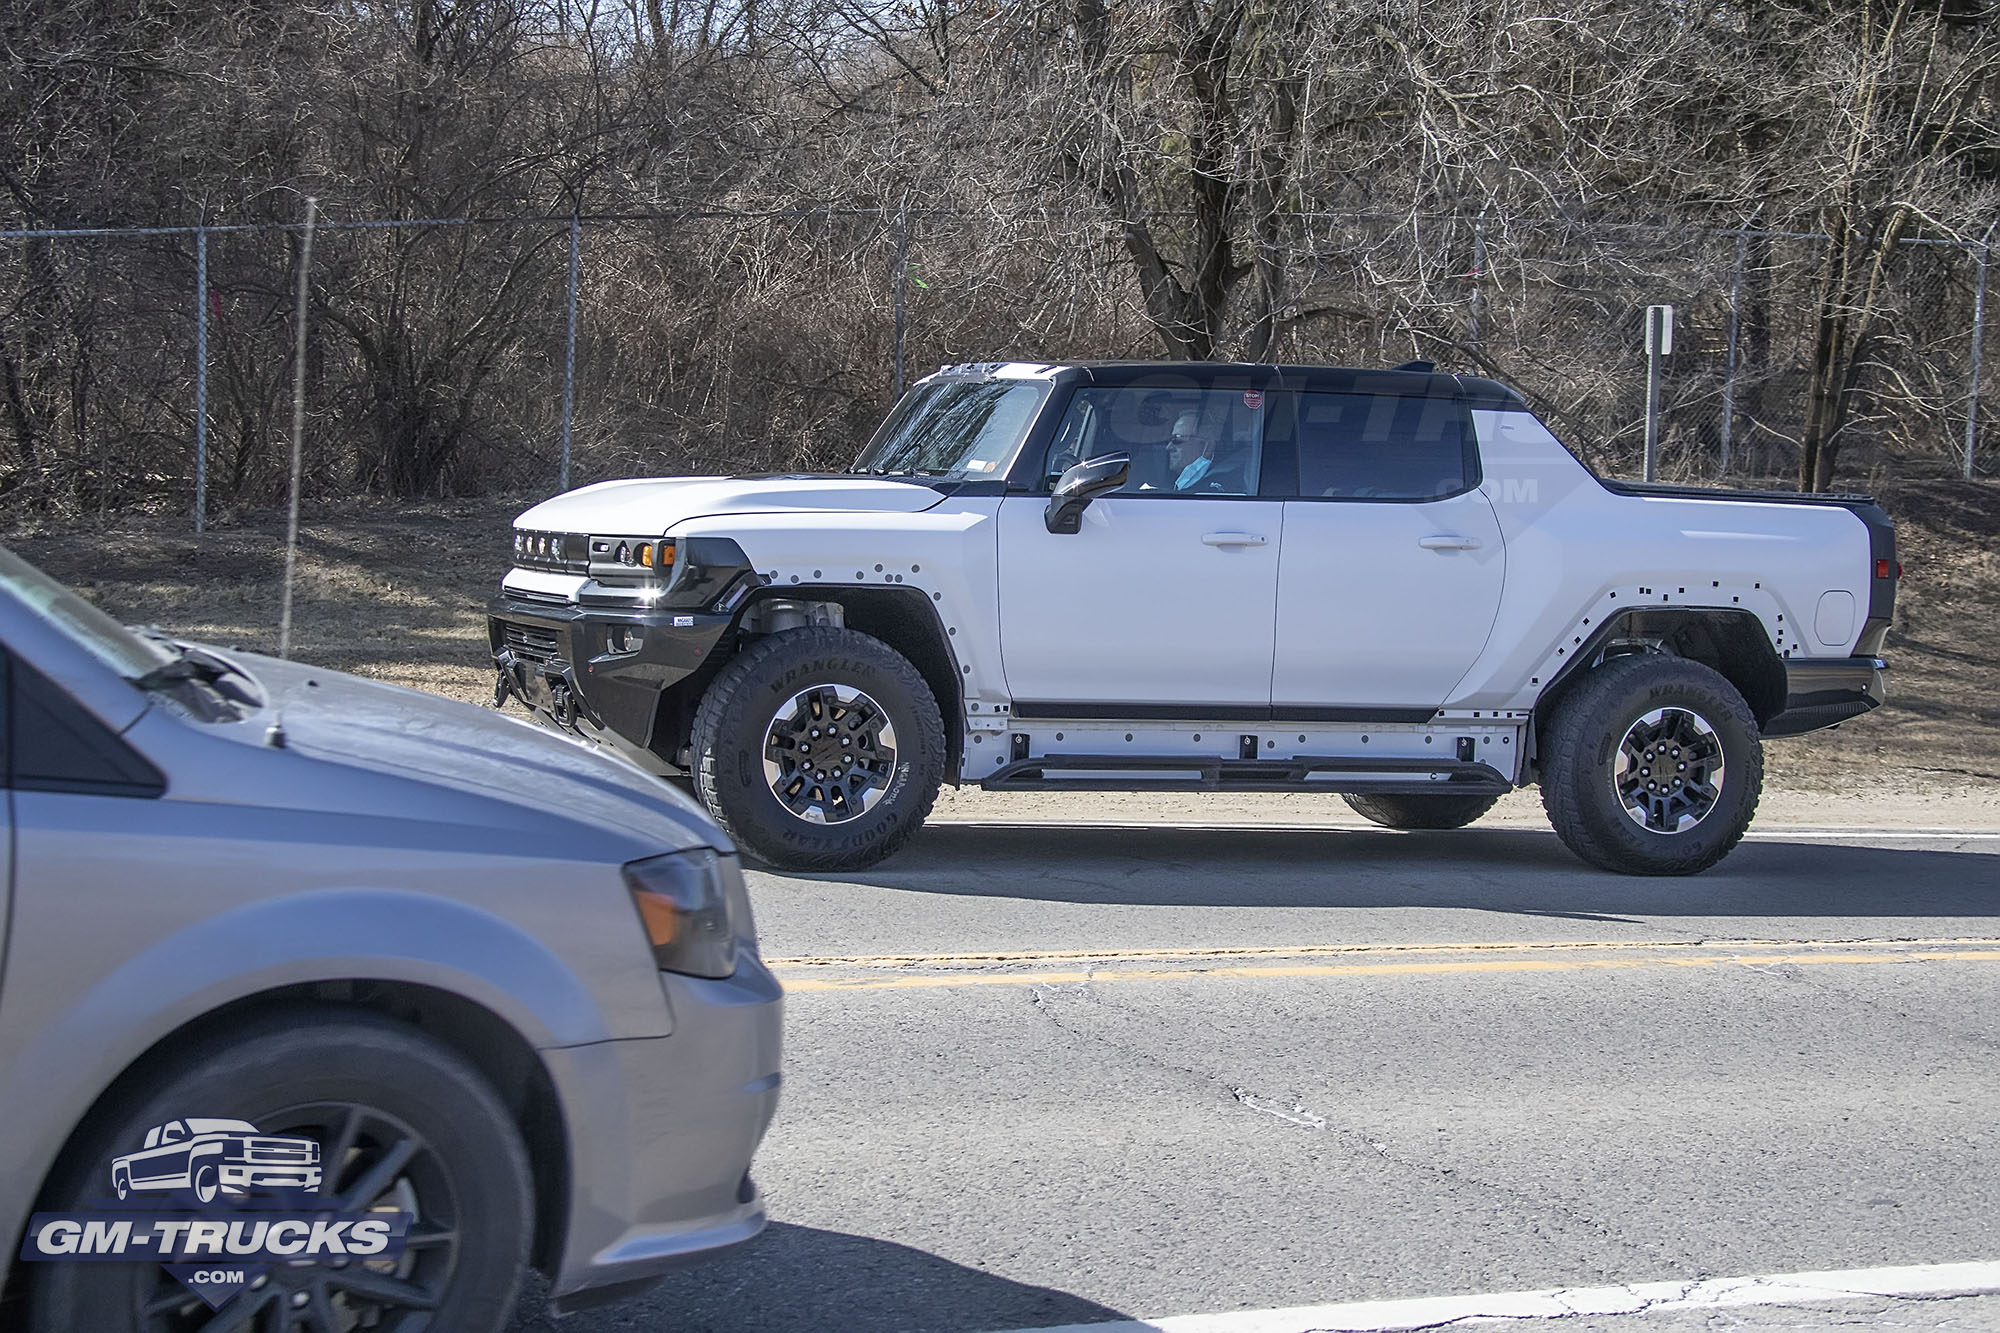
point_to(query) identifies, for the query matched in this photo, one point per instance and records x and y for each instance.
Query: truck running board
(1125, 772)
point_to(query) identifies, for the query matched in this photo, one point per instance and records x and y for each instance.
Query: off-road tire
(728, 744)
(1444, 810)
(1579, 752)
(470, 1174)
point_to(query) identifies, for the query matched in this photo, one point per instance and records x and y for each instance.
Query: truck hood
(643, 507)
(420, 756)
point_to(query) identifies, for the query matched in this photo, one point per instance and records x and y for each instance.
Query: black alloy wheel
(830, 753)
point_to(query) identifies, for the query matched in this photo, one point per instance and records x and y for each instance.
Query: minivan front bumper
(661, 1131)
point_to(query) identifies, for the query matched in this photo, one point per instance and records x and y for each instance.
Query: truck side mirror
(1081, 484)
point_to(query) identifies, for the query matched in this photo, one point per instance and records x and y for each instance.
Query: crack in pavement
(1450, 1180)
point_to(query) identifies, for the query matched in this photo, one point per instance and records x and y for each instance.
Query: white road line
(1768, 832)
(1918, 1282)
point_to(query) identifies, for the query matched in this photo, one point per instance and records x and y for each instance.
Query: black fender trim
(1765, 693)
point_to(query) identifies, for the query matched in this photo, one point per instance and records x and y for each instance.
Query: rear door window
(1360, 446)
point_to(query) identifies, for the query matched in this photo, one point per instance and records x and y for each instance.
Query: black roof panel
(1252, 375)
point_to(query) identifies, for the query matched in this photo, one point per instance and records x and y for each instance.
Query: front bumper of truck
(597, 672)
(593, 660)
(1823, 693)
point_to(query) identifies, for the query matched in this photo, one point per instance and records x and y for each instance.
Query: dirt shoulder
(399, 594)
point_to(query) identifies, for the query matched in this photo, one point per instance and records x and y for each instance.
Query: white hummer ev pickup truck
(1393, 585)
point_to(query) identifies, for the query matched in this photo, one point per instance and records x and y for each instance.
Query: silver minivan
(405, 996)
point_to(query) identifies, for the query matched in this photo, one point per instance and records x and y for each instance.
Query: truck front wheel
(819, 749)
(1652, 766)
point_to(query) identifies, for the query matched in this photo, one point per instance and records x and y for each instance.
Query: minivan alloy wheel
(373, 1162)
(1670, 770)
(404, 1123)
(829, 753)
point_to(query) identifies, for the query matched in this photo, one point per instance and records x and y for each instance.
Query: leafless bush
(1496, 186)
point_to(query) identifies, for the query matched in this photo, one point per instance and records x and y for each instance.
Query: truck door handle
(1445, 542)
(1232, 539)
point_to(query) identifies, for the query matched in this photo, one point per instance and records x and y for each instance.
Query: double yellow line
(902, 971)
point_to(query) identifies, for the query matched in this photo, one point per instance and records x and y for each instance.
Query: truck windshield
(104, 638)
(954, 428)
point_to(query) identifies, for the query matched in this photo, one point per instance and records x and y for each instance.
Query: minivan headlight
(689, 903)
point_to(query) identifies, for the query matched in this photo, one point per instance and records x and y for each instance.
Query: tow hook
(562, 702)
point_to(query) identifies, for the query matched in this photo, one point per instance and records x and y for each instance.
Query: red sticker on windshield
(1253, 399)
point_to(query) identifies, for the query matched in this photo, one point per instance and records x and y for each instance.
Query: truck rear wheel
(819, 749)
(1652, 766)
(1444, 810)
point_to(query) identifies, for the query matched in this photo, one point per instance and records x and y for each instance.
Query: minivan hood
(520, 775)
(641, 508)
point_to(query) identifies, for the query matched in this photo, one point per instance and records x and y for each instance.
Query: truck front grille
(556, 552)
(526, 641)
(267, 1150)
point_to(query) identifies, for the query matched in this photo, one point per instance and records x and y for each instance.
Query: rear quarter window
(1355, 446)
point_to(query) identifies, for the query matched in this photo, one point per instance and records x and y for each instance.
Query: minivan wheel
(819, 749)
(1652, 765)
(1444, 810)
(404, 1125)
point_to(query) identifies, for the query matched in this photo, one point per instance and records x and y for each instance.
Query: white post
(298, 436)
(569, 346)
(1478, 276)
(200, 378)
(902, 289)
(1659, 342)
(1978, 351)
(1729, 366)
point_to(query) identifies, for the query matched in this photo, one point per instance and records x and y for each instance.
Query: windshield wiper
(199, 666)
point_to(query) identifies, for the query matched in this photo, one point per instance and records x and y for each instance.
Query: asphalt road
(1053, 1075)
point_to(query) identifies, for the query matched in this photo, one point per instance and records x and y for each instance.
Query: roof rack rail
(1421, 367)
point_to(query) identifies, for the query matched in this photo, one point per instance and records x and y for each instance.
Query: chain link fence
(151, 368)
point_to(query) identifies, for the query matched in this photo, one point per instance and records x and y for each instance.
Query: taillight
(1888, 569)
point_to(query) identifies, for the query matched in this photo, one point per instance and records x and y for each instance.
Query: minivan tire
(777, 688)
(1598, 739)
(326, 1074)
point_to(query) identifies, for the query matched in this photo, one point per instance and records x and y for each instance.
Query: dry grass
(400, 595)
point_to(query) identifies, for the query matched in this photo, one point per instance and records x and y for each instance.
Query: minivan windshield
(104, 638)
(954, 428)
